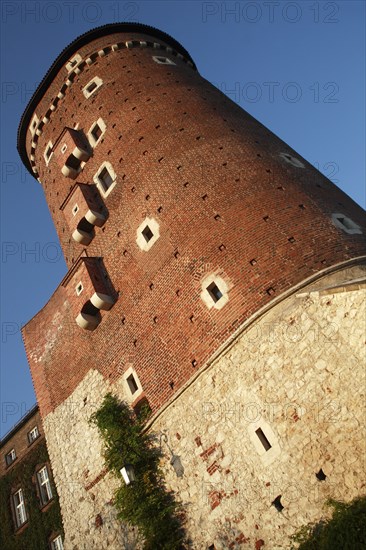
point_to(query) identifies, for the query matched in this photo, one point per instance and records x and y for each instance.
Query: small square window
(346, 224)
(147, 234)
(105, 179)
(63, 148)
(79, 288)
(92, 86)
(96, 132)
(10, 457)
(132, 384)
(33, 434)
(75, 210)
(214, 292)
(163, 60)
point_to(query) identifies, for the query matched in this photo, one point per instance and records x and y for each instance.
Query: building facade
(213, 274)
(30, 511)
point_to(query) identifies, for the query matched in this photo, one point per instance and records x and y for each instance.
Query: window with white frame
(73, 62)
(105, 178)
(79, 288)
(147, 234)
(33, 434)
(44, 485)
(48, 152)
(57, 544)
(20, 513)
(292, 160)
(96, 132)
(92, 86)
(346, 224)
(162, 60)
(132, 385)
(214, 291)
(33, 124)
(10, 457)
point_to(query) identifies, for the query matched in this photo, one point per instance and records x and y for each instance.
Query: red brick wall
(213, 179)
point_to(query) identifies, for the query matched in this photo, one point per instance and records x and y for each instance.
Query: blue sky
(298, 67)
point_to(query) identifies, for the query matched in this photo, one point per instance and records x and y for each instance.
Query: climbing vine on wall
(41, 522)
(346, 529)
(146, 504)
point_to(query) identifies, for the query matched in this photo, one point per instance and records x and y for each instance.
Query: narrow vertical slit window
(262, 438)
(132, 384)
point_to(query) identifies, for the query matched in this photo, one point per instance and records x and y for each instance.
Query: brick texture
(226, 203)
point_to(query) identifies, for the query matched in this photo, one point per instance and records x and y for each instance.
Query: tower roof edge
(65, 55)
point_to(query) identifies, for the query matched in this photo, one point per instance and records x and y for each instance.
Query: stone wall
(297, 374)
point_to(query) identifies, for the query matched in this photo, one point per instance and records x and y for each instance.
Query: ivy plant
(145, 504)
(345, 530)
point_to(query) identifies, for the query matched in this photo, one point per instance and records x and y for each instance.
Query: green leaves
(147, 504)
(346, 529)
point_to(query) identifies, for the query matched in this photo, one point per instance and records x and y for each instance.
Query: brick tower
(213, 273)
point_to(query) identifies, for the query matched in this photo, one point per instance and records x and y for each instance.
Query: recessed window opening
(63, 148)
(132, 384)
(10, 457)
(96, 132)
(75, 210)
(48, 152)
(214, 292)
(320, 475)
(147, 233)
(346, 224)
(33, 434)
(19, 508)
(278, 504)
(44, 485)
(91, 87)
(56, 544)
(79, 288)
(262, 438)
(162, 60)
(292, 160)
(105, 179)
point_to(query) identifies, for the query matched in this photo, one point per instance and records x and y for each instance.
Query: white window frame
(355, 229)
(269, 455)
(73, 62)
(44, 484)
(19, 508)
(98, 81)
(48, 158)
(130, 397)
(102, 125)
(33, 124)
(79, 290)
(141, 242)
(57, 544)
(11, 455)
(207, 296)
(31, 436)
(167, 60)
(98, 183)
(292, 160)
